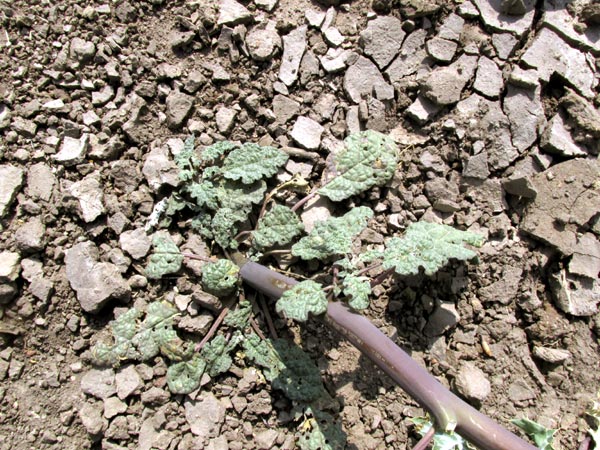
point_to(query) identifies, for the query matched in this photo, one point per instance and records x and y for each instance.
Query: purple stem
(449, 411)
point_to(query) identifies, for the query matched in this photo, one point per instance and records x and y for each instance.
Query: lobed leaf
(333, 236)
(204, 193)
(216, 150)
(368, 159)
(304, 298)
(428, 245)
(542, 436)
(279, 226)
(184, 377)
(238, 318)
(166, 258)
(358, 290)
(216, 354)
(251, 162)
(234, 195)
(223, 225)
(220, 278)
(187, 161)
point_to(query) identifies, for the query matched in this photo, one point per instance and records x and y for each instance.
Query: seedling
(223, 186)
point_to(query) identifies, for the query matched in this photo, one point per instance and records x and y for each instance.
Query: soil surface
(494, 107)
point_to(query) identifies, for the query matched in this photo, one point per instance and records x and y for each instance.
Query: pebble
(440, 49)
(411, 56)
(10, 266)
(335, 59)
(267, 5)
(422, 110)
(294, 46)
(444, 85)
(265, 440)
(178, 107)
(505, 44)
(72, 151)
(225, 119)
(551, 355)
(205, 415)
(24, 127)
(585, 261)
(11, 180)
(314, 18)
(198, 325)
(362, 78)
(574, 295)
(284, 108)
(382, 39)
(114, 406)
(81, 51)
(159, 169)
(333, 36)
(99, 383)
(307, 133)
(90, 196)
(452, 27)
(472, 383)
(557, 139)
(525, 111)
(262, 43)
(127, 381)
(488, 81)
(135, 242)
(493, 18)
(232, 13)
(88, 277)
(30, 236)
(155, 396)
(90, 415)
(444, 317)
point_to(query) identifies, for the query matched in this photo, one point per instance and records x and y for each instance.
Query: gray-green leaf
(251, 162)
(220, 278)
(428, 245)
(321, 433)
(368, 159)
(166, 257)
(278, 227)
(542, 436)
(333, 236)
(357, 289)
(304, 298)
(184, 377)
(216, 150)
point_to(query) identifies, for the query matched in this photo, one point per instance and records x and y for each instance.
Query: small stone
(444, 85)
(114, 406)
(90, 118)
(551, 355)
(315, 211)
(335, 59)
(155, 396)
(127, 381)
(578, 296)
(10, 266)
(40, 182)
(488, 81)
(265, 440)
(556, 139)
(520, 391)
(90, 196)
(441, 49)
(477, 167)
(284, 108)
(197, 325)
(232, 13)
(314, 18)
(225, 119)
(11, 180)
(82, 51)
(72, 151)
(92, 420)
(362, 78)
(527, 79)
(94, 282)
(205, 416)
(180, 39)
(262, 43)
(294, 45)
(472, 383)
(159, 169)
(99, 383)
(101, 98)
(452, 28)
(30, 236)
(178, 108)
(267, 5)
(333, 36)
(54, 105)
(505, 44)
(25, 128)
(444, 317)
(307, 133)
(493, 17)
(585, 261)
(525, 111)
(135, 242)
(382, 39)
(422, 110)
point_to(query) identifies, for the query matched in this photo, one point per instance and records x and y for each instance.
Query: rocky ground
(494, 104)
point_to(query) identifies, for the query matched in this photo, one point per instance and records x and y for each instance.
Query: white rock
(444, 85)
(89, 193)
(72, 151)
(557, 139)
(40, 182)
(54, 104)
(307, 133)
(128, 381)
(504, 43)
(225, 118)
(472, 383)
(362, 78)
(135, 242)
(267, 5)
(441, 49)
(158, 168)
(488, 80)
(9, 266)
(294, 45)
(452, 27)
(262, 43)
(99, 382)
(11, 180)
(314, 18)
(333, 36)
(578, 296)
(493, 17)
(335, 59)
(422, 110)
(232, 13)
(382, 39)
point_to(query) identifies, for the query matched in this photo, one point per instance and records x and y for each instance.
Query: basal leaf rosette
(368, 159)
(306, 297)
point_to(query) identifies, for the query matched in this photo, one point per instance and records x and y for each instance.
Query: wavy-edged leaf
(166, 257)
(187, 161)
(368, 159)
(216, 150)
(217, 354)
(204, 193)
(304, 298)
(357, 289)
(220, 277)
(279, 226)
(224, 225)
(234, 195)
(123, 329)
(542, 436)
(321, 432)
(430, 246)
(333, 236)
(238, 318)
(251, 162)
(184, 377)
(262, 353)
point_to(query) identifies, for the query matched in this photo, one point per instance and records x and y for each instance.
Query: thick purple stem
(449, 411)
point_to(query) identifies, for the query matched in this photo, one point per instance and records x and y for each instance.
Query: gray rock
(30, 236)
(567, 199)
(267, 5)
(441, 49)
(99, 383)
(444, 317)
(11, 180)
(488, 81)
(382, 39)
(40, 182)
(309, 68)
(452, 28)
(117, 430)
(505, 44)
(178, 108)
(197, 325)
(362, 78)
(159, 169)
(294, 45)
(477, 167)
(90, 118)
(520, 186)
(520, 391)
(135, 242)
(94, 282)
(335, 59)
(551, 355)
(265, 440)
(225, 119)
(315, 211)
(180, 39)
(113, 406)
(232, 13)
(444, 85)
(10, 266)
(90, 196)
(24, 127)
(578, 296)
(155, 396)
(307, 133)
(54, 105)
(487, 195)
(101, 98)
(128, 381)
(92, 420)
(472, 383)
(352, 120)
(284, 108)
(557, 139)
(549, 54)
(513, 7)
(582, 113)
(422, 110)
(505, 289)
(585, 261)
(412, 56)
(262, 43)
(557, 16)
(314, 18)
(527, 79)
(494, 18)
(39, 287)
(81, 51)
(72, 151)
(205, 416)
(333, 36)
(525, 111)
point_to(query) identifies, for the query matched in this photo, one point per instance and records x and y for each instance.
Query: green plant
(223, 186)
